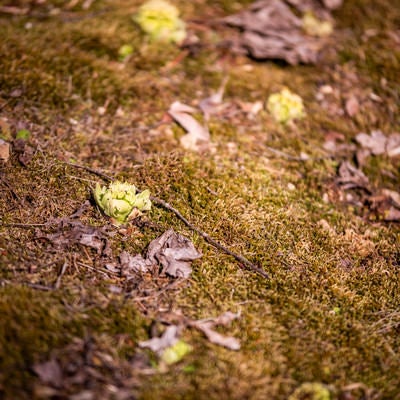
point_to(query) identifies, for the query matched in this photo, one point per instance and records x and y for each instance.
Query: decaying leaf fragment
(73, 232)
(207, 327)
(386, 205)
(198, 136)
(212, 104)
(169, 347)
(349, 177)
(378, 143)
(271, 30)
(24, 150)
(49, 372)
(133, 264)
(174, 252)
(4, 150)
(158, 344)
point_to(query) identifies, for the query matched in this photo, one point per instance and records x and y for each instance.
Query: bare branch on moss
(91, 170)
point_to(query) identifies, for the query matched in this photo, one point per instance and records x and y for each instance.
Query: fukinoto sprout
(121, 202)
(160, 20)
(285, 106)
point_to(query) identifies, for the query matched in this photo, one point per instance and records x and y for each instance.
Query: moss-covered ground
(330, 312)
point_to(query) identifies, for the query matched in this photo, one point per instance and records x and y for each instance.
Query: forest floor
(304, 202)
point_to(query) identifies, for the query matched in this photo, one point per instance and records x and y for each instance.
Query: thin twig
(285, 155)
(39, 287)
(60, 275)
(209, 239)
(91, 170)
(14, 10)
(28, 226)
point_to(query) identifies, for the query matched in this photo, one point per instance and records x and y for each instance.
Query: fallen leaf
(271, 30)
(4, 150)
(386, 205)
(49, 372)
(198, 136)
(212, 104)
(393, 145)
(24, 151)
(392, 214)
(70, 232)
(158, 344)
(136, 264)
(375, 142)
(349, 177)
(393, 196)
(174, 252)
(207, 327)
(352, 106)
(229, 342)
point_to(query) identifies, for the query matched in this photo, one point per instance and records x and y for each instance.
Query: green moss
(328, 314)
(35, 322)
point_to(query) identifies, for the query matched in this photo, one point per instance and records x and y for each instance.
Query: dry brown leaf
(4, 150)
(271, 30)
(213, 104)
(174, 252)
(198, 136)
(375, 142)
(393, 145)
(135, 264)
(386, 204)
(352, 106)
(349, 177)
(24, 150)
(207, 327)
(49, 372)
(168, 339)
(71, 232)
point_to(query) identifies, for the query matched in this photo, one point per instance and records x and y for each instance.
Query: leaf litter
(169, 340)
(198, 136)
(272, 30)
(92, 366)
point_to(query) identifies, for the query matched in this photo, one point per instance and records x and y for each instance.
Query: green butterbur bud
(311, 391)
(160, 20)
(176, 352)
(315, 27)
(120, 201)
(125, 51)
(23, 134)
(285, 106)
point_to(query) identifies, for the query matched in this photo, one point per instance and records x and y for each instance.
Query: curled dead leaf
(4, 150)
(350, 177)
(174, 252)
(271, 30)
(207, 327)
(198, 136)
